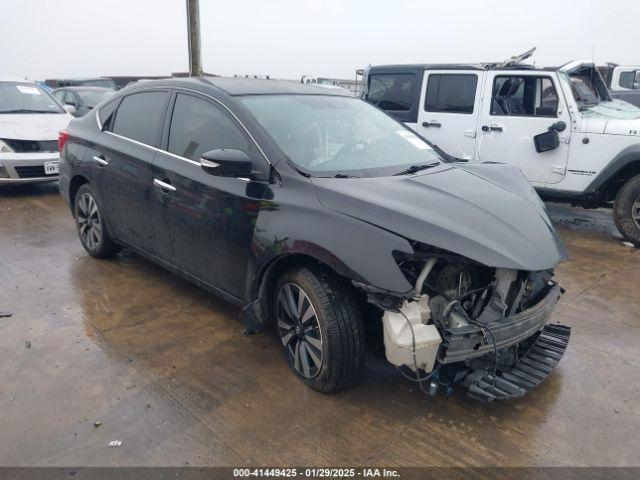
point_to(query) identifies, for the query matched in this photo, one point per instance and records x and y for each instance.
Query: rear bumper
(469, 342)
(26, 167)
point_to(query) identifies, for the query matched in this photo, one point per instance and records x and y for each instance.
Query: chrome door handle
(165, 187)
(493, 128)
(100, 160)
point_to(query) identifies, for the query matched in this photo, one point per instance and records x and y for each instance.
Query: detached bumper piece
(530, 371)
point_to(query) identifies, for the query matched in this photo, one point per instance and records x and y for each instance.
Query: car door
(519, 106)
(123, 162)
(449, 110)
(203, 223)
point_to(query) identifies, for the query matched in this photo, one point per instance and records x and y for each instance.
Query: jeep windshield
(587, 87)
(26, 98)
(587, 91)
(335, 136)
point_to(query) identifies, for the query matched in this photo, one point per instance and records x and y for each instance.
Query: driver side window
(524, 96)
(198, 126)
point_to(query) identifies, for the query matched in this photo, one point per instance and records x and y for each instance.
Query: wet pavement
(163, 366)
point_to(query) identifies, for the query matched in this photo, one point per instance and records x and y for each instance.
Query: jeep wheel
(320, 326)
(91, 227)
(626, 211)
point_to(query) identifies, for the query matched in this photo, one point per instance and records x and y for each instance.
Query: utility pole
(193, 31)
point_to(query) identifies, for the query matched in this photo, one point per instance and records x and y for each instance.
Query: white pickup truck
(558, 125)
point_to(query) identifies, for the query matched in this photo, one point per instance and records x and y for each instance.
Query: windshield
(26, 98)
(91, 98)
(587, 87)
(330, 135)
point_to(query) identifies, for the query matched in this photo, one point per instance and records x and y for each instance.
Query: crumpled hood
(616, 117)
(485, 212)
(33, 126)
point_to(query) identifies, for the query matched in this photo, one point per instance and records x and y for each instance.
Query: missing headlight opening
(473, 325)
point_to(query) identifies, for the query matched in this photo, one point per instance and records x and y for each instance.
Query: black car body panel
(229, 235)
(460, 209)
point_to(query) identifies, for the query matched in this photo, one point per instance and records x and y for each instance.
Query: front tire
(320, 326)
(92, 229)
(626, 210)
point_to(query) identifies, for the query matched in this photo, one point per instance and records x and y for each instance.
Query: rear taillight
(63, 136)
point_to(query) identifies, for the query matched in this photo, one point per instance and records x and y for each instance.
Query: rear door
(203, 224)
(125, 152)
(449, 109)
(519, 106)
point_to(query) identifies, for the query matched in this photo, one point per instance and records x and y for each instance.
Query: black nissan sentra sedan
(329, 221)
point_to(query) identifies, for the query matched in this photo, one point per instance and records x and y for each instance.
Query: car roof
(77, 88)
(82, 79)
(253, 86)
(5, 78)
(244, 86)
(457, 66)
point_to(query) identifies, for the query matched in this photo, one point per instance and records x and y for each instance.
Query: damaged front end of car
(471, 325)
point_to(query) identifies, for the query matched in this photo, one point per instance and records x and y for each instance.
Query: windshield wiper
(27, 110)
(344, 175)
(416, 168)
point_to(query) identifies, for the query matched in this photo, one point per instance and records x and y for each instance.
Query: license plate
(51, 168)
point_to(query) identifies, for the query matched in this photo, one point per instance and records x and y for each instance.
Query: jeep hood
(616, 117)
(486, 212)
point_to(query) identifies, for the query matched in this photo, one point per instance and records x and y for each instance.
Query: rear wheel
(626, 211)
(320, 326)
(92, 230)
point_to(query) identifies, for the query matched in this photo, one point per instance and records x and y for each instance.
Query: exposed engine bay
(471, 324)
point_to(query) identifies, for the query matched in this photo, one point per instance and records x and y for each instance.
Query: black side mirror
(226, 162)
(546, 141)
(558, 126)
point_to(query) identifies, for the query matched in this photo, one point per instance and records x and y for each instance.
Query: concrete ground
(166, 370)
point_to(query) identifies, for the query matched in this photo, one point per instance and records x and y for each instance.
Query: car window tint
(140, 115)
(528, 96)
(70, 99)
(105, 114)
(198, 126)
(391, 92)
(454, 93)
(627, 79)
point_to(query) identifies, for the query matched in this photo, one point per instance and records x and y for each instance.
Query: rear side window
(391, 91)
(140, 115)
(198, 126)
(452, 93)
(106, 113)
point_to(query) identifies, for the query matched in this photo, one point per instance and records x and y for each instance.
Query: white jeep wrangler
(558, 125)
